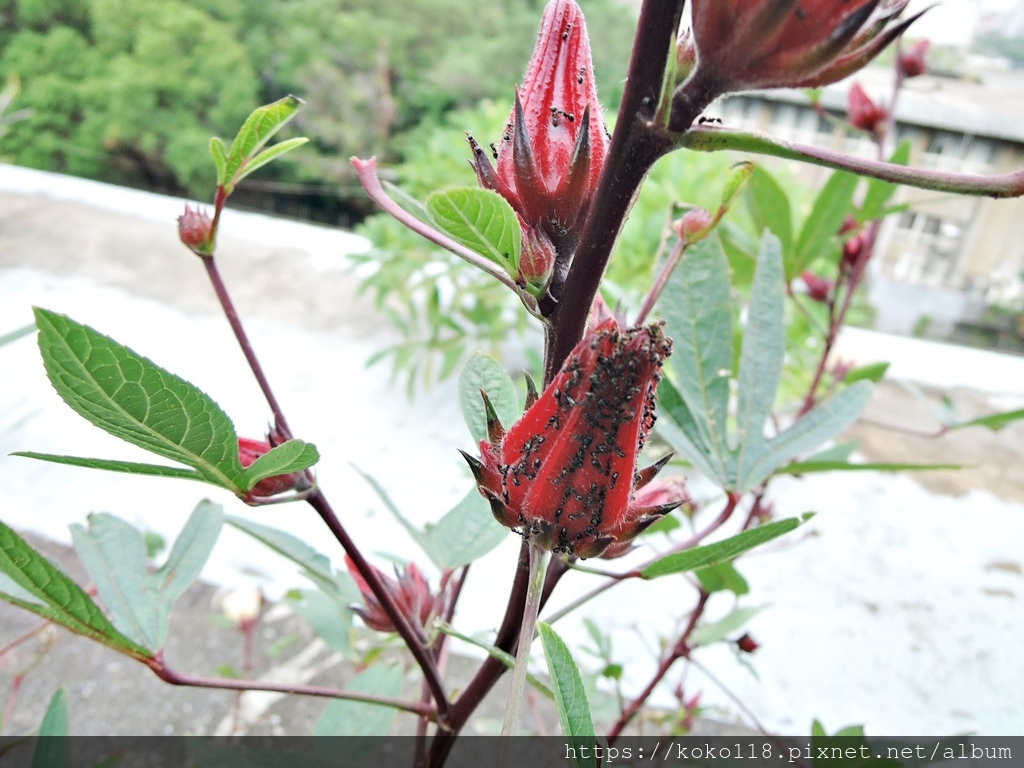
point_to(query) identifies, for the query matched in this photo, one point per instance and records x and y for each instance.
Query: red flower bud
(554, 146)
(411, 593)
(248, 451)
(850, 224)
(195, 230)
(911, 62)
(865, 113)
(744, 44)
(565, 475)
(747, 644)
(852, 249)
(694, 224)
(818, 288)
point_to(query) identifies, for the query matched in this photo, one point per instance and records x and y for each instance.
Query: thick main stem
(636, 144)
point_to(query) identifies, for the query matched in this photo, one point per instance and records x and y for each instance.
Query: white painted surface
(890, 610)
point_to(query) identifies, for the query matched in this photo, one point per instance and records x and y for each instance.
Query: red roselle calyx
(411, 593)
(747, 644)
(864, 113)
(911, 61)
(554, 145)
(248, 451)
(565, 475)
(195, 230)
(744, 44)
(818, 288)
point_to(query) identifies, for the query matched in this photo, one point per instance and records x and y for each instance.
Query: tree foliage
(131, 90)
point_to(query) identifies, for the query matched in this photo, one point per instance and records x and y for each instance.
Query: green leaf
(739, 177)
(483, 372)
(994, 421)
(706, 634)
(722, 551)
(219, 153)
(257, 130)
(56, 597)
(826, 217)
(328, 614)
(768, 204)
(874, 372)
(130, 467)
(570, 695)
(880, 192)
(466, 533)
(763, 350)
(697, 310)
(809, 466)
(678, 427)
(317, 566)
(130, 397)
(55, 722)
(722, 577)
(357, 718)
(482, 220)
(824, 422)
(504, 657)
(114, 554)
(53, 748)
(271, 153)
(291, 456)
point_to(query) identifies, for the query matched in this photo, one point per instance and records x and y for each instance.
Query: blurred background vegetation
(130, 91)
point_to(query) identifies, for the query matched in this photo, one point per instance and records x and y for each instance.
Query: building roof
(991, 106)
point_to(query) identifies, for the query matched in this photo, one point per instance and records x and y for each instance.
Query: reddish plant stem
(851, 280)
(661, 281)
(636, 144)
(680, 650)
(23, 638)
(413, 639)
(246, 346)
(173, 677)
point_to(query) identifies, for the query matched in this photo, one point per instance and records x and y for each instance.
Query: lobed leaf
(697, 310)
(56, 597)
(763, 350)
(822, 423)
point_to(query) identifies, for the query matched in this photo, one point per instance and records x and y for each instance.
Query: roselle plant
(630, 395)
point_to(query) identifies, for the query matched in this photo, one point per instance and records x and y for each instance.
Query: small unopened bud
(686, 56)
(850, 224)
(818, 288)
(694, 225)
(852, 250)
(195, 230)
(864, 113)
(911, 62)
(747, 644)
(841, 369)
(242, 606)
